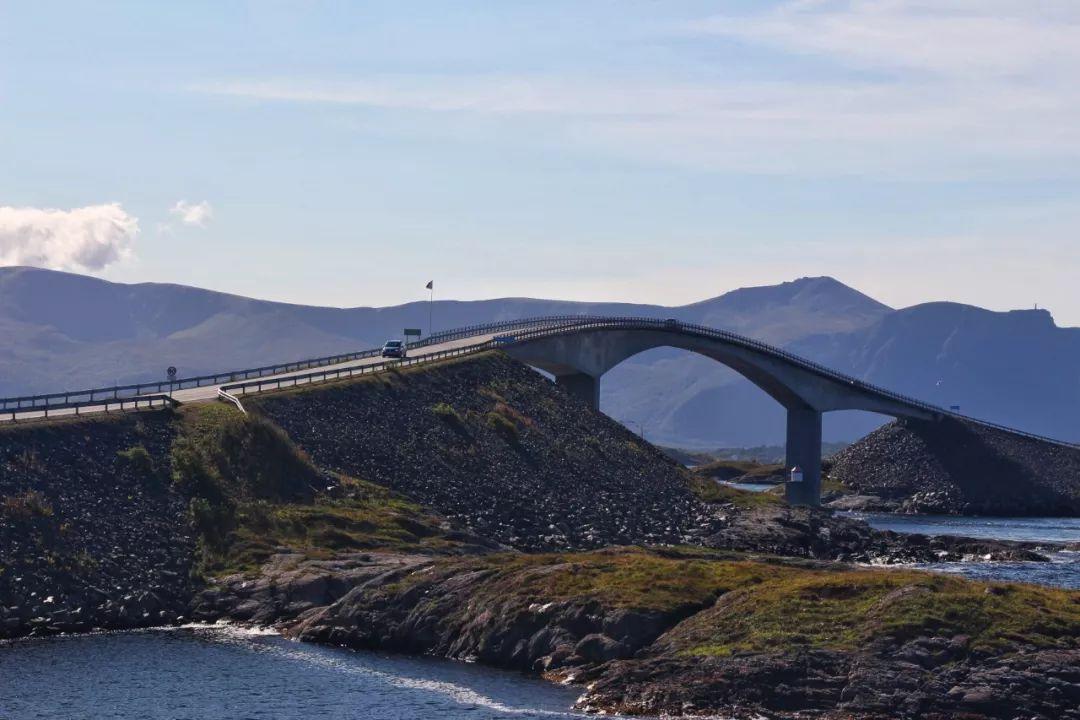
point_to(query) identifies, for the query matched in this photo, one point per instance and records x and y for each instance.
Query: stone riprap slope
(91, 532)
(491, 444)
(957, 467)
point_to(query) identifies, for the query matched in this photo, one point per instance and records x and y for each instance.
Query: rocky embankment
(497, 450)
(92, 533)
(492, 445)
(954, 467)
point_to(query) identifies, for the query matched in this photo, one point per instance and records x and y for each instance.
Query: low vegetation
(223, 455)
(25, 506)
(621, 577)
(138, 458)
(255, 493)
(850, 609)
(713, 491)
(775, 605)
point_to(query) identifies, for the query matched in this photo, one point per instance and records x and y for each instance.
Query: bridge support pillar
(584, 387)
(804, 450)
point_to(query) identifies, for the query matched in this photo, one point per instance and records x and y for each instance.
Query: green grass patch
(138, 459)
(254, 493)
(447, 412)
(224, 455)
(503, 425)
(324, 529)
(622, 577)
(849, 609)
(711, 491)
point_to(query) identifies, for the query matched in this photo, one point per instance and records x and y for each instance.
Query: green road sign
(412, 331)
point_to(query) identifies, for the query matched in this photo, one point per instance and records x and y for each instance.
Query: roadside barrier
(286, 375)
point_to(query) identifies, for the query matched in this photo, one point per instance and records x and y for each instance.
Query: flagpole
(430, 305)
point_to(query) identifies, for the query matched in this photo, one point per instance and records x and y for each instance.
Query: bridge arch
(579, 355)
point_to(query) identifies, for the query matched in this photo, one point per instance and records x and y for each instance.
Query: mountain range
(67, 331)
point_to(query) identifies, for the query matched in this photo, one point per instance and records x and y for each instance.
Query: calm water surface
(217, 673)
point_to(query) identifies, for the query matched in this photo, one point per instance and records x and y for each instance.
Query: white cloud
(87, 238)
(194, 214)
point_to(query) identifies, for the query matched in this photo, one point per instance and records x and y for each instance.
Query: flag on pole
(430, 285)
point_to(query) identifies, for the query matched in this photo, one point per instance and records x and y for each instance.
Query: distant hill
(63, 330)
(1015, 368)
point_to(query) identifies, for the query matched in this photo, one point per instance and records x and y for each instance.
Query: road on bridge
(210, 392)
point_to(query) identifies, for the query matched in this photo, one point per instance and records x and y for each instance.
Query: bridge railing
(95, 396)
(104, 405)
(810, 365)
(525, 329)
(331, 374)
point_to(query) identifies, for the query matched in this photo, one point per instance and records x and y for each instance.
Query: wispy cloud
(907, 88)
(194, 214)
(87, 238)
(960, 39)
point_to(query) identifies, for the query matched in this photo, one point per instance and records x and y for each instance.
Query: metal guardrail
(230, 398)
(106, 405)
(69, 398)
(530, 328)
(321, 376)
(750, 343)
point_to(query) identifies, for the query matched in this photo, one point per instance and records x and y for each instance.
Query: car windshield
(393, 343)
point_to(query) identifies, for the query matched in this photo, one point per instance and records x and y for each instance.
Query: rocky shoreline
(597, 621)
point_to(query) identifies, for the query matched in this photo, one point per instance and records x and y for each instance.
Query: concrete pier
(804, 450)
(582, 386)
(579, 357)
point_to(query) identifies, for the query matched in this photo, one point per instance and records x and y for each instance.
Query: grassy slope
(711, 491)
(773, 606)
(255, 493)
(850, 609)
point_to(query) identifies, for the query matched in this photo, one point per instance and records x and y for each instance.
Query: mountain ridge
(65, 330)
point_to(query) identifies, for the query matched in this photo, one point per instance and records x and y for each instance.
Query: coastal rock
(452, 611)
(289, 585)
(956, 467)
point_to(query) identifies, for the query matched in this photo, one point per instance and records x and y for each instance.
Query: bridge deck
(473, 339)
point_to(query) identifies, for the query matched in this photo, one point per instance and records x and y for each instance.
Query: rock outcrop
(955, 467)
(742, 639)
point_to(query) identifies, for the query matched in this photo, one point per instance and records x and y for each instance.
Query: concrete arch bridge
(577, 350)
(578, 353)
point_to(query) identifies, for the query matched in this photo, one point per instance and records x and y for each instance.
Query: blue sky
(344, 153)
